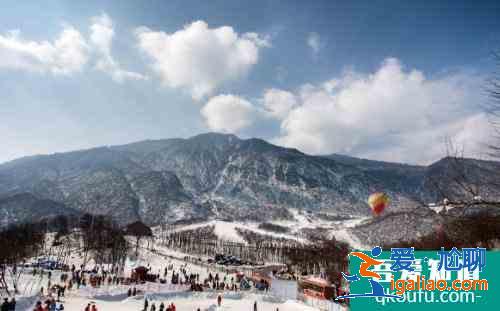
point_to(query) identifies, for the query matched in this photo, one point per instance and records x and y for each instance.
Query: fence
(286, 290)
(119, 290)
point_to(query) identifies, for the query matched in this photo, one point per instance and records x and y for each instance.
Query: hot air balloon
(378, 202)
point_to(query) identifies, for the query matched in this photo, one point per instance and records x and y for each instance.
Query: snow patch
(227, 231)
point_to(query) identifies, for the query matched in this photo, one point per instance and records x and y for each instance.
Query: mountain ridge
(220, 176)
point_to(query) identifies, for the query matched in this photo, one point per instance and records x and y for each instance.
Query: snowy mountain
(214, 176)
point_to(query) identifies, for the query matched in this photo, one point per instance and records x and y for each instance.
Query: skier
(146, 304)
(219, 300)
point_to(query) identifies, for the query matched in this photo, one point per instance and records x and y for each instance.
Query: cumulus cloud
(67, 54)
(278, 103)
(70, 52)
(314, 42)
(102, 33)
(199, 58)
(392, 114)
(228, 113)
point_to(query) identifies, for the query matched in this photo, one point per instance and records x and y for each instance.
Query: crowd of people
(49, 305)
(51, 296)
(171, 306)
(161, 307)
(183, 277)
(214, 281)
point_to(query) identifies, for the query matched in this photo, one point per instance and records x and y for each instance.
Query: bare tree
(139, 230)
(17, 243)
(492, 106)
(466, 184)
(469, 189)
(102, 239)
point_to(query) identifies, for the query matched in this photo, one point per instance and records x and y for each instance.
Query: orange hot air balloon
(378, 202)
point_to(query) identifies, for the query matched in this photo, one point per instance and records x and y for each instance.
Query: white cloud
(314, 42)
(200, 58)
(67, 54)
(102, 33)
(228, 113)
(393, 114)
(278, 103)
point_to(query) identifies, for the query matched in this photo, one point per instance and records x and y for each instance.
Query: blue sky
(389, 80)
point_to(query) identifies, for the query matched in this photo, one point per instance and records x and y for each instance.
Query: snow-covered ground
(187, 301)
(114, 297)
(107, 300)
(227, 231)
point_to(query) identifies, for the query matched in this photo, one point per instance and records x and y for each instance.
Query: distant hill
(214, 176)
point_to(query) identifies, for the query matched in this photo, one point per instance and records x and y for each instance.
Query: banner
(408, 279)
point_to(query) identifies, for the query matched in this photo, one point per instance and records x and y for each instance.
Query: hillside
(217, 176)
